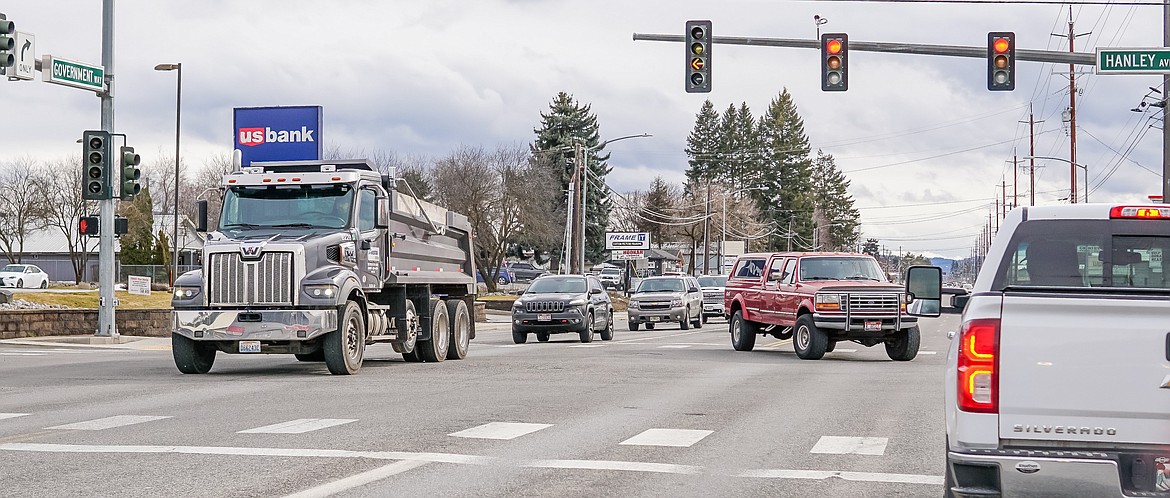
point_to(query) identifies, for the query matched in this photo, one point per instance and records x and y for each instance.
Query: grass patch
(495, 298)
(89, 300)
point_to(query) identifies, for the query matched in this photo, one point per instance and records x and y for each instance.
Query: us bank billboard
(290, 133)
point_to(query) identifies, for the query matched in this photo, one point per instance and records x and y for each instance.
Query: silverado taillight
(978, 377)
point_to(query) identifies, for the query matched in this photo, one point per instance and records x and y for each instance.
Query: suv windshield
(713, 281)
(611, 271)
(287, 206)
(662, 285)
(840, 268)
(551, 285)
(13, 269)
(1086, 253)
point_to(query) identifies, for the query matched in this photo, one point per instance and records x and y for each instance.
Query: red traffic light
(1001, 45)
(88, 225)
(834, 46)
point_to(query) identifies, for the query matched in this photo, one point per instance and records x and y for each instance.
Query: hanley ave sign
(1133, 60)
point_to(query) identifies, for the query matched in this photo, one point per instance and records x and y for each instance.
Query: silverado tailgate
(1084, 367)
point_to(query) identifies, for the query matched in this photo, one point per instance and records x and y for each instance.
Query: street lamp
(178, 116)
(723, 238)
(1072, 196)
(583, 183)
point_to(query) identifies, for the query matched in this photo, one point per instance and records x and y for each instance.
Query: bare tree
(204, 184)
(22, 205)
(502, 193)
(65, 207)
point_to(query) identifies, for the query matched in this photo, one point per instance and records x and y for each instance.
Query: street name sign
(74, 74)
(1151, 60)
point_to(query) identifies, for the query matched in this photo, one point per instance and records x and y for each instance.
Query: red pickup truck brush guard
(818, 300)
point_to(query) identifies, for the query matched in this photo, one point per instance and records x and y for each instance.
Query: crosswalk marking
(500, 430)
(11, 415)
(298, 426)
(108, 422)
(848, 445)
(681, 438)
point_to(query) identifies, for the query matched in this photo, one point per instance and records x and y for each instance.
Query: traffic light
(698, 42)
(1001, 61)
(834, 62)
(95, 155)
(130, 173)
(7, 43)
(88, 225)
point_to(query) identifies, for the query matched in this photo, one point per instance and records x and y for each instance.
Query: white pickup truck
(1058, 381)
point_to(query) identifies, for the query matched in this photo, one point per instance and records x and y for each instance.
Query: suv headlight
(633, 305)
(828, 302)
(321, 291)
(517, 306)
(185, 293)
(577, 302)
(675, 303)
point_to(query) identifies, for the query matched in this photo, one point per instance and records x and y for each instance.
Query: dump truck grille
(266, 281)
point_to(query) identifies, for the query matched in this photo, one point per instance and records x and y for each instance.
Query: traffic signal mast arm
(980, 52)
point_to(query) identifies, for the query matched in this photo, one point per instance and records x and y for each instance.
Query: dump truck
(320, 259)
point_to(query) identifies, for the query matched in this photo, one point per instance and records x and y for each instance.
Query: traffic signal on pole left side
(96, 165)
(698, 43)
(7, 43)
(130, 173)
(1001, 61)
(88, 225)
(834, 62)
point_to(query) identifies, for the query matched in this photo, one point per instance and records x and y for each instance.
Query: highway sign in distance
(1152, 60)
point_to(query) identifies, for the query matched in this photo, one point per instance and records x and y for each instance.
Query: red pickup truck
(818, 299)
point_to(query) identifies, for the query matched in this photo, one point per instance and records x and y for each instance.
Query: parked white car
(23, 276)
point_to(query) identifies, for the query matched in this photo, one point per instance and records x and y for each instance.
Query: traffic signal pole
(106, 326)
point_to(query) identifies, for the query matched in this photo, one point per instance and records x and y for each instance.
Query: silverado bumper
(1035, 473)
(260, 325)
(863, 324)
(713, 309)
(663, 315)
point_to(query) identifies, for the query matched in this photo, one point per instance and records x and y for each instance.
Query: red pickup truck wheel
(903, 346)
(809, 342)
(743, 332)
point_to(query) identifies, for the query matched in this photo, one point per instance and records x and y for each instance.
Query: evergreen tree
(832, 198)
(785, 175)
(137, 244)
(728, 148)
(703, 145)
(871, 248)
(566, 124)
(658, 210)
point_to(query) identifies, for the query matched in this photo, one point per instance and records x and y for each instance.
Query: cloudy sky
(924, 143)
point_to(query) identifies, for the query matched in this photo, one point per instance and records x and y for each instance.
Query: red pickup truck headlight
(828, 302)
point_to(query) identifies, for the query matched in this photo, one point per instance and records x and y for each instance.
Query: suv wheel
(809, 342)
(607, 332)
(685, 323)
(587, 332)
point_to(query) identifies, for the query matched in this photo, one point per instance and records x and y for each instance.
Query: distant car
(23, 276)
(713, 287)
(666, 299)
(524, 272)
(612, 277)
(556, 304)
(505, 277)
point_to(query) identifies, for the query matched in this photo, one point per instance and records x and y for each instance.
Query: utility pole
(1032, 156)
(1015, 181)
(584, 178)
(106, 275)
(1003, 195)
(706, 240)
(1072, 110)
(576, 254)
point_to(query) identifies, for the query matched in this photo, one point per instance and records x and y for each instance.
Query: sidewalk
(91, 341)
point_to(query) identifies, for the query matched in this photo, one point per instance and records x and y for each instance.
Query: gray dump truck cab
(319, 259)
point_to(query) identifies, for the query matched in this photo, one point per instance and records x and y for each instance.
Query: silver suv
(675, 298)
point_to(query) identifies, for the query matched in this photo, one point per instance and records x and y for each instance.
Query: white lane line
(680, 438)
(661, 468)
(849, 445)
(23, 354)
(843, 351)
(298, 426)
(675, 346)
(357, 480)
(928, 352)
(500, 430)
(848, 476)
(653, 337)
(11, 415)
(108, 422)
(586, 345)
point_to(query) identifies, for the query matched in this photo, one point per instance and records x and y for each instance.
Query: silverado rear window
(1087, 254)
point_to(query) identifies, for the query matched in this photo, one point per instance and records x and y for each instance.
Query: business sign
(1153, 60)
(75, 74)
(278, 133)
(627, 240)
(138, 285)
(627, 255)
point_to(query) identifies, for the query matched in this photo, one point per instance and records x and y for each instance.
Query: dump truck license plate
(249, 346)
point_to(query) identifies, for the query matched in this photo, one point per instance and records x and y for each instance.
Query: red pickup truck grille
(873, 304)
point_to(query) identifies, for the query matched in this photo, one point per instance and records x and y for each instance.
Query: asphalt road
(651, 413)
